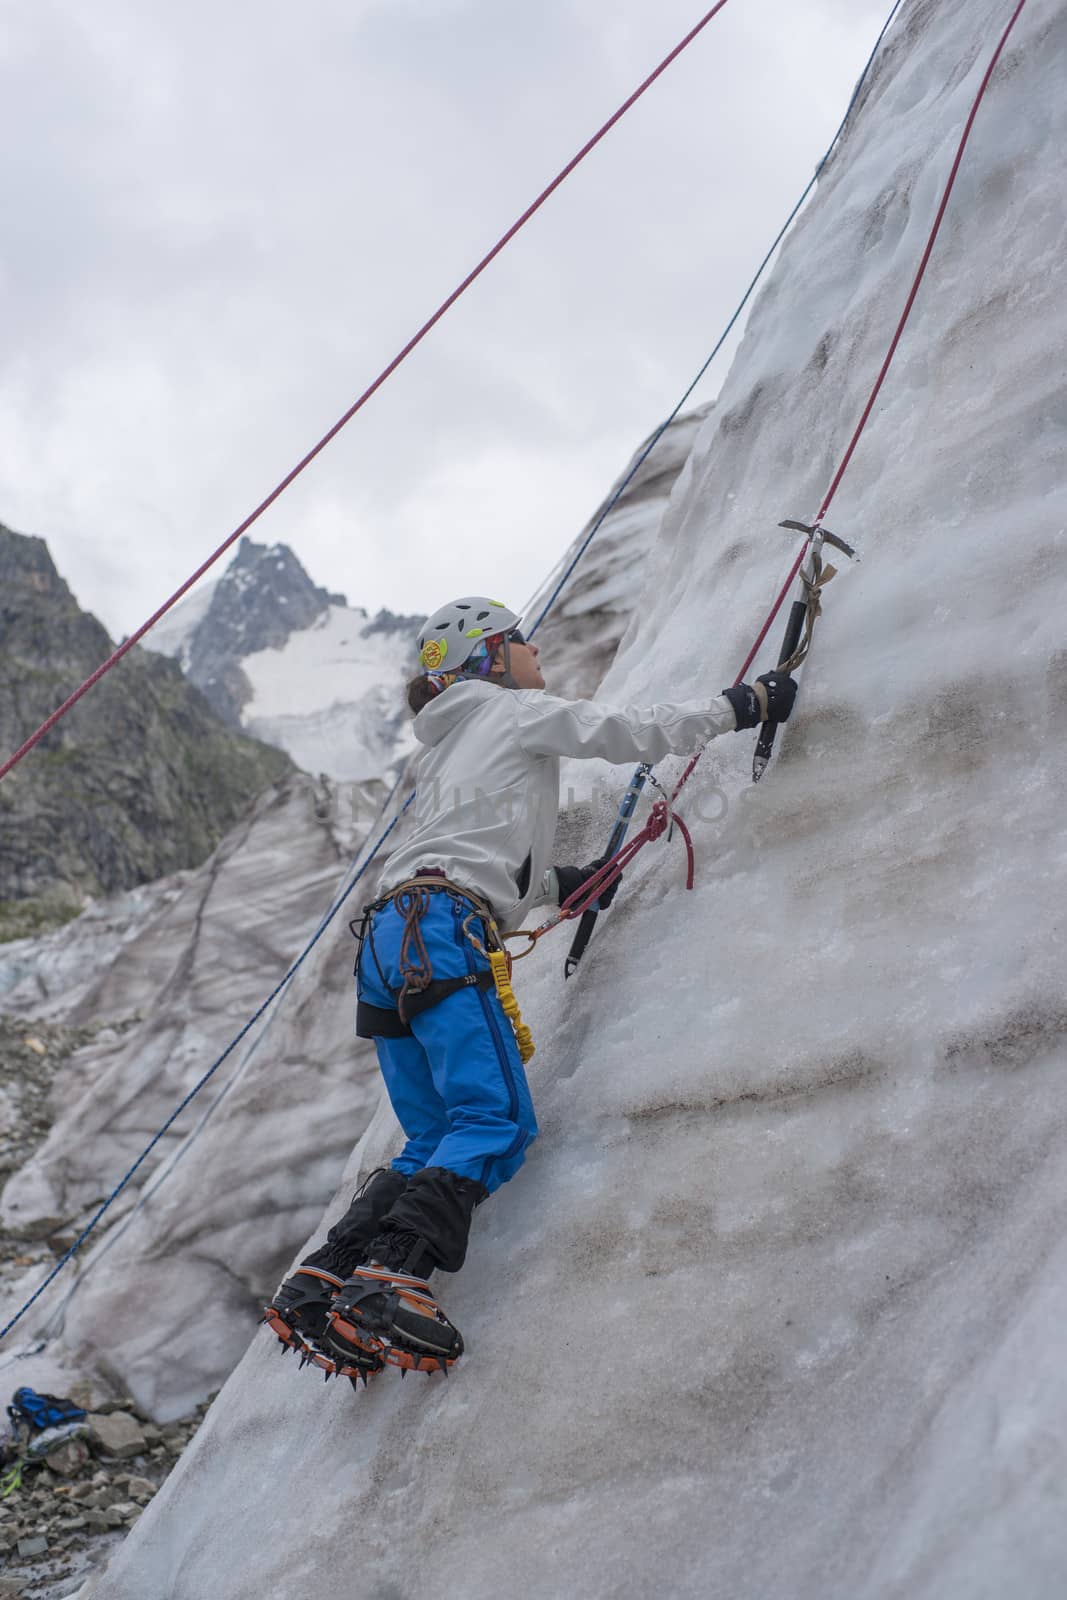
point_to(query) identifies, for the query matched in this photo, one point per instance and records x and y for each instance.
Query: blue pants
(457, 1085)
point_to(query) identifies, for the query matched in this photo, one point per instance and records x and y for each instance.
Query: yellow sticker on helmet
(474, 633)
(433, 653)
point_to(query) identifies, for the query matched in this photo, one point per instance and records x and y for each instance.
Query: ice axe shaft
(817, 536)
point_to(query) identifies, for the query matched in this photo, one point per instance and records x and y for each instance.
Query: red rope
(387, 372)
(613, 868)
(660, 818)
(890, 353)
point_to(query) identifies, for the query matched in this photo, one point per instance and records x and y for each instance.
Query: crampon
(397, 1313)
(298, 1316)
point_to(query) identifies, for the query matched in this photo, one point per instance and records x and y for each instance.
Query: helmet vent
(482, 615)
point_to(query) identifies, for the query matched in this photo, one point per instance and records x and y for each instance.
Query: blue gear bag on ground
(42, 1410)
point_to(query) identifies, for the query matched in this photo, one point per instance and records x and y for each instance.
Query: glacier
(774, 1306)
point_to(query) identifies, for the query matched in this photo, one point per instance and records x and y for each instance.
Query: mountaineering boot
(298, 1312)
(388, 1298)
(302, 1302)
(381, 1303)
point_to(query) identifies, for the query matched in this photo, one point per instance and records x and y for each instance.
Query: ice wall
(775, 1307)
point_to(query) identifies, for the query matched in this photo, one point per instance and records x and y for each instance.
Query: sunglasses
(515, 635)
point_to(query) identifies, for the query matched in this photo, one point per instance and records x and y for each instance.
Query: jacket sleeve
(548, 726)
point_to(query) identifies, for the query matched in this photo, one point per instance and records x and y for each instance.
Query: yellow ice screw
(498, 963)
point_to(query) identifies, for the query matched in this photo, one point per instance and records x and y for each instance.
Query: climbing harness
(421, 989)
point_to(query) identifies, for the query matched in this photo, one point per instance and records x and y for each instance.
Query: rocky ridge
(138, 780)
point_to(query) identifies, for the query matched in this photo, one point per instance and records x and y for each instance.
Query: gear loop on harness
(412, 902)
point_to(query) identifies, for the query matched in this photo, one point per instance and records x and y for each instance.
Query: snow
(774, 1307)
(331, 656)
(172, 633)
(333, 697)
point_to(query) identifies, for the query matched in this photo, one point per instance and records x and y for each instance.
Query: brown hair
(420, 692)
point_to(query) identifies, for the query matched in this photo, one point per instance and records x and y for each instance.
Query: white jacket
(487, 786)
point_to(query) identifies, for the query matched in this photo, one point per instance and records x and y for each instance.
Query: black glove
(770, 699)
(571, 879)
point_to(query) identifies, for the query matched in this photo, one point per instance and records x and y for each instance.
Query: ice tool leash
(805, 611)
(808, 561)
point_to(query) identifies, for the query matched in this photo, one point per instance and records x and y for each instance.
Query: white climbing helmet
(451, 636)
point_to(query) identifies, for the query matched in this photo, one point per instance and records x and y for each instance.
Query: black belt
(385, 1022)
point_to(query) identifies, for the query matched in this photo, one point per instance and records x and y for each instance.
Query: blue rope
(609, 505)
(361, 868)
(55, 1320)
(357, 873)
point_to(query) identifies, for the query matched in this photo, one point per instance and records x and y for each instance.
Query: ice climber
(477, 859)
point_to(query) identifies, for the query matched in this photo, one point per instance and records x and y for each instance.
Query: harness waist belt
(383, 1022)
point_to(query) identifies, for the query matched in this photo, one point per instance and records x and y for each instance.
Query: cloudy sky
(222, 219)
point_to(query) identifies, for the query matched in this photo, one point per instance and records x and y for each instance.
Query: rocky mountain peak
(40, 621)
(262, 598)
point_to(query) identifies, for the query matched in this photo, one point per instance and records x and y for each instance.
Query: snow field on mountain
(333, 697)
(290, 681)
(774, 1306)
(171, 634)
